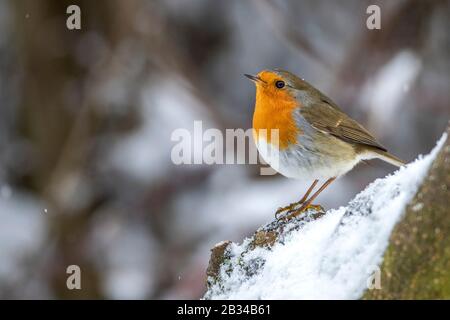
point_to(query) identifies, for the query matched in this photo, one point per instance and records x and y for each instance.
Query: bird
(303, 134)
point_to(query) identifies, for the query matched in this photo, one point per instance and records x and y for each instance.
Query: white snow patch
(332, 257)
(127, 254)
(385, 91)
(144, 154)
(22, 231)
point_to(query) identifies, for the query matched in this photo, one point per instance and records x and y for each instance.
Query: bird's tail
(386, 156)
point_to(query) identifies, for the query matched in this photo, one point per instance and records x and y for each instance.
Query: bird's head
(275, 87)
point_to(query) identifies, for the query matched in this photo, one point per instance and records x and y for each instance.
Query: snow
(143, 154)
(127, 255)
(22, 233)
(384, 92)
(333, 257)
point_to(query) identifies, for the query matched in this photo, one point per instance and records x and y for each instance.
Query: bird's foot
(288, 208)
(305, 207)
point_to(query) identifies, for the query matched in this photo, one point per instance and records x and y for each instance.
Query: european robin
(314, 138)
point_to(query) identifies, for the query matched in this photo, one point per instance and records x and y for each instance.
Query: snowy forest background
(86, 118)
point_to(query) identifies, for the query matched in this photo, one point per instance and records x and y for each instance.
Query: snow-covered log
(339, 254)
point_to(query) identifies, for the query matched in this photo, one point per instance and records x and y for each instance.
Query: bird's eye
(279, 84)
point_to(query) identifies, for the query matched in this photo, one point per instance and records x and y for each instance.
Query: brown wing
(329, 119)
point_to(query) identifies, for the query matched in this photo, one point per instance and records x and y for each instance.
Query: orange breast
(275, 111)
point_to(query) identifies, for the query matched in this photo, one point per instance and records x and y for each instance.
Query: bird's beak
(253, 78)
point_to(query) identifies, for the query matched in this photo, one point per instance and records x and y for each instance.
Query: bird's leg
(292, 206)
(307, 204)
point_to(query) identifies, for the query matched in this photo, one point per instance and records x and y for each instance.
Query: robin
(314, 138)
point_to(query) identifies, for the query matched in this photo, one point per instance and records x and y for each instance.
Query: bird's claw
(304, 208)
(288, 208)
(315, 207)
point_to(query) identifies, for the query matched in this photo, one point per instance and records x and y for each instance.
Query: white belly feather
(303, 161)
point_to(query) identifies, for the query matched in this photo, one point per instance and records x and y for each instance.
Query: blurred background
(86, 118)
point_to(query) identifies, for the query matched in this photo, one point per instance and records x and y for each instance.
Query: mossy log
(416, 264)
